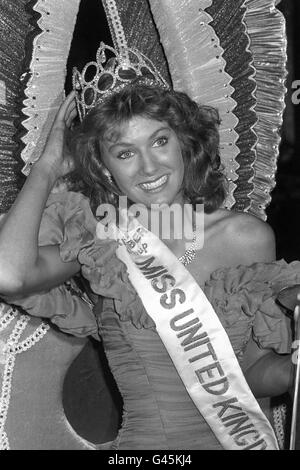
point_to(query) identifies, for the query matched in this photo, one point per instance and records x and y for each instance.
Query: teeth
(155, 184)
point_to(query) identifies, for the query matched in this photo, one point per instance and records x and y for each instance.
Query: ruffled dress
(158, 412)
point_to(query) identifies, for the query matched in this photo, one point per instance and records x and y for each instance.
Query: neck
(171, 223)
(174, 223)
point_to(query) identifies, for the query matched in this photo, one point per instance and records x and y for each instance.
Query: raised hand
(24, 266)
(54, 160)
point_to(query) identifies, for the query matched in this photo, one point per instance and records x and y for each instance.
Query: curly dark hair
(196, 127)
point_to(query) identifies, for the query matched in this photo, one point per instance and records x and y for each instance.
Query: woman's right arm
(25, 267)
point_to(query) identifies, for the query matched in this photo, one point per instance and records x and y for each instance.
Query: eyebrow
(128, 144)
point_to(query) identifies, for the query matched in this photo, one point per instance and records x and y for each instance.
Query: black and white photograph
(149, 228)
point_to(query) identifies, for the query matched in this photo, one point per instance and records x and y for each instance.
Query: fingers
(70, 103)
(70, 109)
(67, 110)
(71, 116)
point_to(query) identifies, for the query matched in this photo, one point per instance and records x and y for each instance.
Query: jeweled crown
(110, 73)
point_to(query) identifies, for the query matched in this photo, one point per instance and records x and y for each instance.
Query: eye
(160, 142)
(125, 155)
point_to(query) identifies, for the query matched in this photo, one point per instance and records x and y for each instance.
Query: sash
(195, 340)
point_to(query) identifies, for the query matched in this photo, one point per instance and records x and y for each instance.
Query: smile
(154, 185)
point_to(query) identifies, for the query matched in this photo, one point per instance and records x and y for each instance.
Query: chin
(165, 201)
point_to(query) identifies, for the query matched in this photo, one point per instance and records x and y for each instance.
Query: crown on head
(104, 77)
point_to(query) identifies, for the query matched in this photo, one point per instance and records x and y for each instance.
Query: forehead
(136, 128)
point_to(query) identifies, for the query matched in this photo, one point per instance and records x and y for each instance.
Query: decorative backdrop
(228, 55)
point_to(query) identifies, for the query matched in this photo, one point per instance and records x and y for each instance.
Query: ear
(108, 175)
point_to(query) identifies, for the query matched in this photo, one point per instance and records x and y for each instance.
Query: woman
(156, 147)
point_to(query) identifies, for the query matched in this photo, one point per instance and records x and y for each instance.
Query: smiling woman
(143, 140)
(143, 134)
(151, 168)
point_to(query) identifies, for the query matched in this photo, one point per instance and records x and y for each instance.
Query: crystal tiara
(104, 77)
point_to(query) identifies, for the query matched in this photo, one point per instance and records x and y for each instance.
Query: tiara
(110, 73)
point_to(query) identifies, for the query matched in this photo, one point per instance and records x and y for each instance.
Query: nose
(148, 163)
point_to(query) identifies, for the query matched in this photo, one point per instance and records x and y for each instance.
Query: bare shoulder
(248, 228)
(246, 235)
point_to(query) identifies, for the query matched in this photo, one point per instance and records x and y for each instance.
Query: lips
(154, 185)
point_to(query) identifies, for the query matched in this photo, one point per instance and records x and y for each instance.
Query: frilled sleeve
(69, 312)
(245, 300)
(67, 222)
(272, 328)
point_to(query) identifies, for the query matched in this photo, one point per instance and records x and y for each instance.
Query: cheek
(121, 180)
(179, 163)
(122, 177)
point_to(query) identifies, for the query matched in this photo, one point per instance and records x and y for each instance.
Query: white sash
(195, 340)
